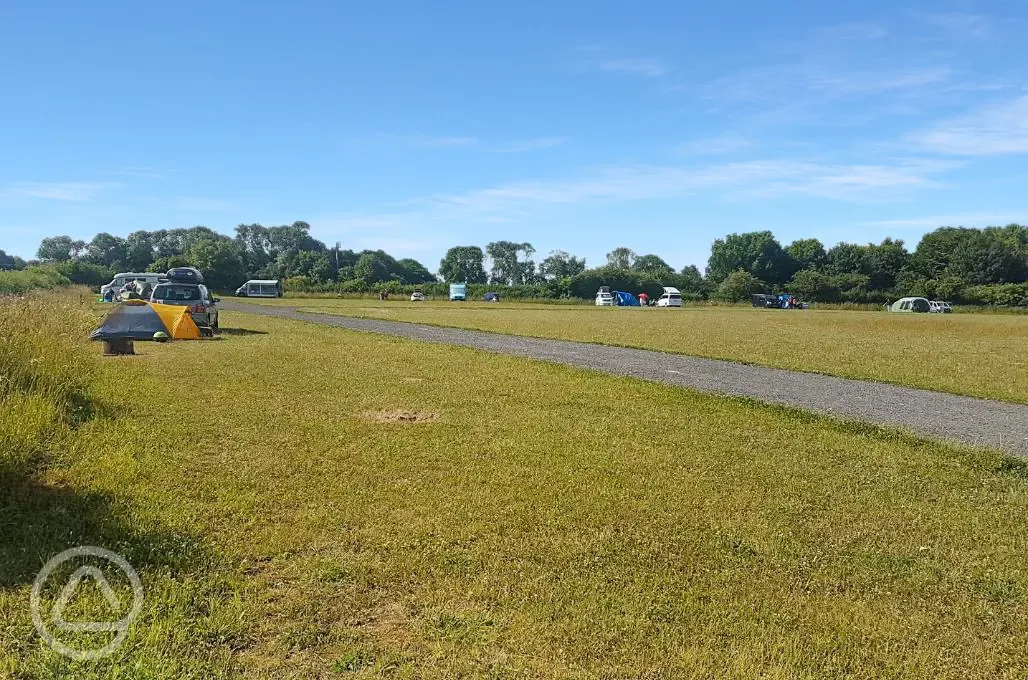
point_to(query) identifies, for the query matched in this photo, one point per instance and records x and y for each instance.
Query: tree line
(984, 266)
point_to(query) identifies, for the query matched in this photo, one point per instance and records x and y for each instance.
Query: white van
(119, 280)
(672, 297)
(260, 288)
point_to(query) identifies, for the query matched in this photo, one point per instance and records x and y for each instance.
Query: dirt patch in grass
(399, 415)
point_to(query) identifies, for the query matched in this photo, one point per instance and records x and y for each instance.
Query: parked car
(604, 298)
(672, 297)
(417, 296)
(203, 306)
(939, 307)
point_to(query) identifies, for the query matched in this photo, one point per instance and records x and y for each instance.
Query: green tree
(934, 252)
(984, 257)
(163, 264)
(738, 286)
(810, 284)
(463, 264)
(11, 261)
(510, 263)
(621, 258)
(808, 253)
(691, 281)
(882, 263)
(413, 272)
(220, 262)
(107, 251)
(140, 252)
(59, 249)
(653, 265)
(254, 241)
(561, 265)
(372, 267)
(757, 253)
(845, 258)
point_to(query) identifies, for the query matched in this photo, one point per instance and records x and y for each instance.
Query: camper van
(672, 297)
(458, 291)
(111, 290)
(260, 288)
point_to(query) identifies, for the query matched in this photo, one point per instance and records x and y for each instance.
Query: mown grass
(979, 355)
(548, 522)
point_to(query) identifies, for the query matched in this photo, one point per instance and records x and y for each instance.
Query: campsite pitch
(980, 355)
(532, 520)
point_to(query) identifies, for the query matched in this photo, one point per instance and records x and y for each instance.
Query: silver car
(202, 305)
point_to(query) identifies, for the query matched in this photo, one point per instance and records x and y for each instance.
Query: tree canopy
(463, 264)
(986, 266)
(757, 253)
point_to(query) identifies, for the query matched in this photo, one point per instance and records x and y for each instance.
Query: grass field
(540, 522)
(980, 355)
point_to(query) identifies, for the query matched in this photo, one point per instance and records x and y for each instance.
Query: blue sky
(575, 125)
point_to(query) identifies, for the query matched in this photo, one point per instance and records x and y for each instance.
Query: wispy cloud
(446, 142)
(856, 30)
(994, 130)
(59, 191)
(965, 220)
(464, 142)
(527, 145)
(143, 172)
(961, 24)
(648, 67)
(792, 81)
(203, 204)
(714, 146)
(417, 140)
(764, 178)
(599, 60)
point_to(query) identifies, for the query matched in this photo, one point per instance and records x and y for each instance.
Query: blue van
(458, 291)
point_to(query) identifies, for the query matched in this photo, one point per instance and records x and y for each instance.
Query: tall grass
(44, 375)
(34, 278)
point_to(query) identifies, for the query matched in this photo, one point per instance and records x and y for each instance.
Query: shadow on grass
(38, 521)
(240, 332)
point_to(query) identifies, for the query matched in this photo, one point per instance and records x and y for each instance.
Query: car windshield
(176, 293)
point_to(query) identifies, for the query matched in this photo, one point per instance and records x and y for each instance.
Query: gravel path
(967, 420)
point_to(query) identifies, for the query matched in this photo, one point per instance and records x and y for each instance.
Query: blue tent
(491, 297)
(623, 299)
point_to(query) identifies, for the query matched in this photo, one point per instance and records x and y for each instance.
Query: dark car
(202, 305)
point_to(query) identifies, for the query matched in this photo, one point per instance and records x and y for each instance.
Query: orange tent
(139, 320)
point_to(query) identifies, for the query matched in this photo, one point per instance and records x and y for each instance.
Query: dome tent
(139, 320)
(623, 299)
